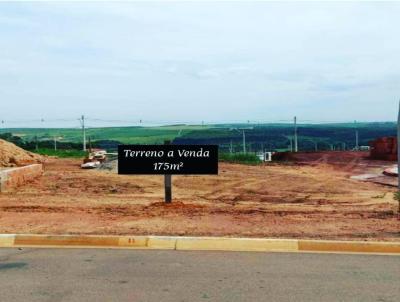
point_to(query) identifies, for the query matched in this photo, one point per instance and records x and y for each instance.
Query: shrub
(62, 153)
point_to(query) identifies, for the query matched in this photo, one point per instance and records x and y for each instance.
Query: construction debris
(110, 165)
(94, 159)
(91, 165)
(392, 171)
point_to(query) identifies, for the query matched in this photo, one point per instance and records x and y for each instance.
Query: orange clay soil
(288, 201)
(12, 155)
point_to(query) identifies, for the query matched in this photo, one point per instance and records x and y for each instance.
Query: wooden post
(168, 183)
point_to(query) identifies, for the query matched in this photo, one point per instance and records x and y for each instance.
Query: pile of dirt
(13, 156)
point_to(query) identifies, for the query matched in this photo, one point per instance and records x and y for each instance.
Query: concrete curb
(236, 244)
(198, 243)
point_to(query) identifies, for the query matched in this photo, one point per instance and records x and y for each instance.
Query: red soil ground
(314, 199)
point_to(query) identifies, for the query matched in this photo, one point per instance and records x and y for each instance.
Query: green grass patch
(126, 135)
(62, 153)
(240, 158)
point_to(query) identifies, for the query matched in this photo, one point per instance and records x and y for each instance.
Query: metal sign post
(168, 159)
(168, 187)
(168, 182)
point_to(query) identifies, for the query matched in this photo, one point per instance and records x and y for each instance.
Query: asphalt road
(133, 275)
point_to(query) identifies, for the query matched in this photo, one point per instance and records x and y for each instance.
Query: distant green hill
(127, 135)
(258, 136)
(278, 136)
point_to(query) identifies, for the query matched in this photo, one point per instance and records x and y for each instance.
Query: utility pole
(244, 136)
(397, 194)
(263, 151)
(82, 120)
(296, 147)
(36, 143)
(231, 147)
(244, 142)
(55, 143)
(357, 147)
(398, 158)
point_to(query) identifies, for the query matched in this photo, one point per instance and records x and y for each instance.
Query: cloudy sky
(194, 61)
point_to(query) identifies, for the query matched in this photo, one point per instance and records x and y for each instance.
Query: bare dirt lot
(312, 199)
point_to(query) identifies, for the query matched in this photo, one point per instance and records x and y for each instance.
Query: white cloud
(226, 61)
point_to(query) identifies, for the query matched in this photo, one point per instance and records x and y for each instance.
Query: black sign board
(167, 159)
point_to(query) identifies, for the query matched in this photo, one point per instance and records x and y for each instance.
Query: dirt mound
(13, 156)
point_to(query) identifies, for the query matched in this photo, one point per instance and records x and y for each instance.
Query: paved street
(132, 275)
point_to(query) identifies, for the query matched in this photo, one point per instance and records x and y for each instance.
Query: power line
(99, 122)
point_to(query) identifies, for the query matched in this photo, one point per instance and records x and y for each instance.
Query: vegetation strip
(199, 243)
